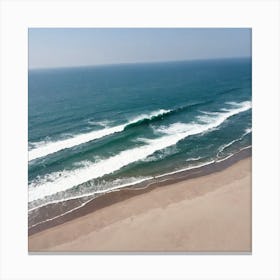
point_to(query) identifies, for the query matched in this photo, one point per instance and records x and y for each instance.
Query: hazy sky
(62, 47)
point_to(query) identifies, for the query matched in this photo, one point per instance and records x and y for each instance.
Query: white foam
(185, 169)
(127, 183)
(194, 159)
(54, 183)
(162, 155)
(46, 148)
(223, 147)
(207, 121)
(104, 123)
(248, 130)
(236, 104)
(176, 128)
(63, 214)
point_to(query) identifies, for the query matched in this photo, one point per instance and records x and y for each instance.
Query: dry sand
(211, 213)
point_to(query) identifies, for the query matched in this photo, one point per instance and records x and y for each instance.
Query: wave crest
(46, 148)
(171, 136)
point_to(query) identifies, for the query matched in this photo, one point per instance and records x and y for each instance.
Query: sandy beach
(211, 213)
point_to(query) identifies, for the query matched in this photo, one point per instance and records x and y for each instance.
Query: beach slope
(211, 213)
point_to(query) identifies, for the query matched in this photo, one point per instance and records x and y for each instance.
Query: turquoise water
(93, 129)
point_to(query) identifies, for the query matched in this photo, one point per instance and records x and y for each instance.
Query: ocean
(92, 130)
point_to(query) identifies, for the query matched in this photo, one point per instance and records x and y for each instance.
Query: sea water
(95, 129)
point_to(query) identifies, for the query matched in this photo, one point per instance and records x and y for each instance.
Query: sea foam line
(223, 147)
(48, 148)
(132, 183)
(172, 134)
(118, 188)
(63, 214)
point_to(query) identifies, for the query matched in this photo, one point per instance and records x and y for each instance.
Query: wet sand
(209, 213)
(57, 213)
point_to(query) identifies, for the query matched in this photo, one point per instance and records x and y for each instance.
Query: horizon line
(136, 62)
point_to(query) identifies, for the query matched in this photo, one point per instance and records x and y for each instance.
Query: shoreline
(96, 203)
(209, 213)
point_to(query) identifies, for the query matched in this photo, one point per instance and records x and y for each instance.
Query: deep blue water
(96, 128)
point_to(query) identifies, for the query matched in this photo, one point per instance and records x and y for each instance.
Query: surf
(46, 148)
(169, 136)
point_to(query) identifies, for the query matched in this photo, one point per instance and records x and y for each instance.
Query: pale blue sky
(63, 47)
